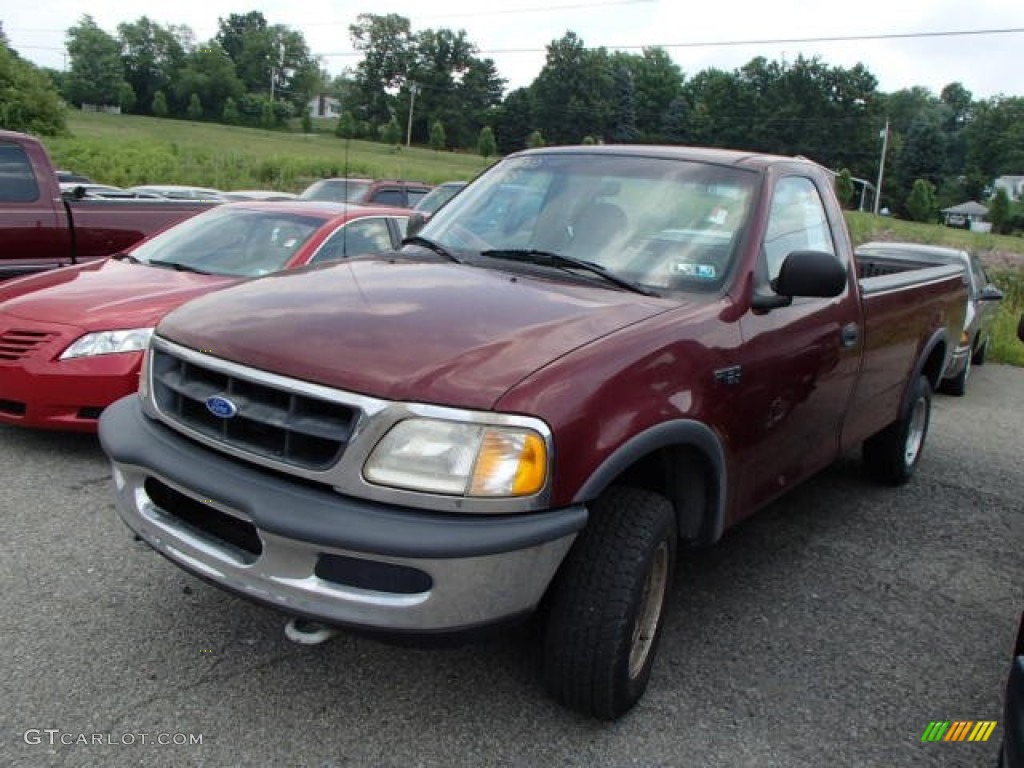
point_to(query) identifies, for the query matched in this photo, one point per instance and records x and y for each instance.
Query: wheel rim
(915, 432)
(646, 627)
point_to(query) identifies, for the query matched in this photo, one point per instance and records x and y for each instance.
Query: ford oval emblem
(221, 407)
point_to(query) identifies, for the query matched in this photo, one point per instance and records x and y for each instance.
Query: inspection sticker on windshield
(699, 271)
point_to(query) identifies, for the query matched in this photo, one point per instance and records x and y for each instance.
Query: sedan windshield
(239, 242)
(657, 224)
(336, 191)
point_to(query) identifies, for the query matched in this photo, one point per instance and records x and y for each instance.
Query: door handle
(850, 335)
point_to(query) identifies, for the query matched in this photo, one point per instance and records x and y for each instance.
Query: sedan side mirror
(990, 293)
(417, 220)
(1020, 328)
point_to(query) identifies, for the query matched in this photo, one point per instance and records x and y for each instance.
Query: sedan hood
(110, 295)
(411, 331)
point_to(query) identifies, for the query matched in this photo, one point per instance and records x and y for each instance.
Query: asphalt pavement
(828, 630)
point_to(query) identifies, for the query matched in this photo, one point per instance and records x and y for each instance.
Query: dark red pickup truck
(40, 228)
(589, 358)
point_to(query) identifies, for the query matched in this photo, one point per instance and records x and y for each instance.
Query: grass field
(127, 150)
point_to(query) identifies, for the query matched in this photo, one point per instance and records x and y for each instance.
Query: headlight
(108, 343)
(459, 459)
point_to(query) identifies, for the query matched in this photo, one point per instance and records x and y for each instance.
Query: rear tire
(957, 386)
(978, 358)
(892, 455)
(608, 604)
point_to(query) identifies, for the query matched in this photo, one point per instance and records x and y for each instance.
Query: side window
(356, 237)
(415, 195)
(389, 196)
(796, 222)
(17, 181)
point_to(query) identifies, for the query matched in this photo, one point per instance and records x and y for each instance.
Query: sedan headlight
(457, 458)
(108, 343)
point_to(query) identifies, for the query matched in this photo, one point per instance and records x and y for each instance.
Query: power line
(764, 41)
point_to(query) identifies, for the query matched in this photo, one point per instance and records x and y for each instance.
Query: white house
(1014, 186)
(323, 105)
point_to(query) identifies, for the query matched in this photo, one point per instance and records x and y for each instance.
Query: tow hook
(307, 632)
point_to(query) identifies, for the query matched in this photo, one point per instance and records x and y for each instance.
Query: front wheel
(893, 454)
(608, 604)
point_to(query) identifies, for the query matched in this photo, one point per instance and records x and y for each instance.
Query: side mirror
(1020, 328)
(804, 274)
(417, 220)
(990, 293)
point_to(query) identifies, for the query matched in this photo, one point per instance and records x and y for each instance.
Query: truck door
(33, 231)
(799, 363)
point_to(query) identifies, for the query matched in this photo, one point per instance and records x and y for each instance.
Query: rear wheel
(978, 358)
(893, 454)
(958, 384)
(608, 604)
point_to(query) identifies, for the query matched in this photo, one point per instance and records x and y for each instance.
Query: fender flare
(678, 433)
(939, 337)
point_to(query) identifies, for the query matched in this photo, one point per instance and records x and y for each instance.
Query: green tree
(209, 73)
(346, 127)
(96, 70)
(623, 125)
(574, 93)
(658, 83)
(230, 112)
(437, 136)
(921, 202)
(387, 46)
(535, 139)
(514, 121)
(195, 107)
(486, 145)
(844, 188)
(391, 133)
(152, 55)
(307, 122)
(28, 100)
(159, 105)
(999, 212)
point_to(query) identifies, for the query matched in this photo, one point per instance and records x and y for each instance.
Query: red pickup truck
(40, 228)
(591, 357)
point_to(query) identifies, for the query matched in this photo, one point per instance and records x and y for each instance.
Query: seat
(595, 228)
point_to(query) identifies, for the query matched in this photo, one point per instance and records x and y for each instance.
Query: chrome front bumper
(464, 570)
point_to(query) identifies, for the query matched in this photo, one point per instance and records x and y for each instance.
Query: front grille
(18, 343)
(292, 428)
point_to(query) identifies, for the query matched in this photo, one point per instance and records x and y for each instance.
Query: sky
(697, 35)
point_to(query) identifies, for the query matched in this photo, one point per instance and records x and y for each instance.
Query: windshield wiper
(432, 245)
(179, 266)
(561, 261)
(125, 256)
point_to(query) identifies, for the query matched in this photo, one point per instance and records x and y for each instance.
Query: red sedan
(72, 339)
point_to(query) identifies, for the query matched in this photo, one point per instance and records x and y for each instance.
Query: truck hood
(410, 331)
(110, 295)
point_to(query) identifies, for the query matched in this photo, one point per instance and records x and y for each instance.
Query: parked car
(438, 196)
(982, 300)
(181, 192)
(42, 228)
(403, 194)
(80, 191)
(258, 194)
(70, 177)
(71, 339)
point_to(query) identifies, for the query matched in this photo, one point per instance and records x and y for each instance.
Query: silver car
(982, 305)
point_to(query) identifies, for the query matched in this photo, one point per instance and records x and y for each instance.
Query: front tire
(978, 358)
(892, 455)
(608, 604)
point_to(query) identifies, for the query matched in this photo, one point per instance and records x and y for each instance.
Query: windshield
(336, 190)
(659, 223)
(240, 242)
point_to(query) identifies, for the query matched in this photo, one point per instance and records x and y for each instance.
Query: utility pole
(413, 90)
(881, 165)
